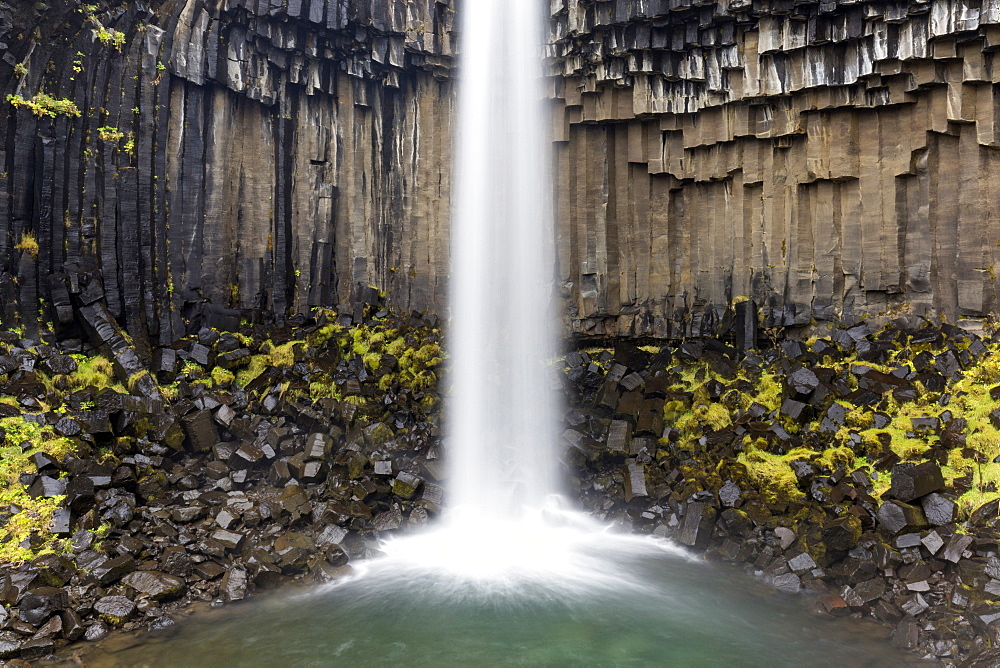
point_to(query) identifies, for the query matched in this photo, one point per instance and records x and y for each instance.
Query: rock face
(824, 158)
(827, 159)
(256, 158)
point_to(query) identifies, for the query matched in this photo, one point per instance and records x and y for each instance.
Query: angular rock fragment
(201, 431)
(730, 494)
(115, 610)
(938, 509)
(916, 481)
(235, 584)
(894, 517)
(157, 586)
(696, 528)
(801, 563)
(956, 546)
(406, 485)
(635, 480)
(230, 540)
(789, 582)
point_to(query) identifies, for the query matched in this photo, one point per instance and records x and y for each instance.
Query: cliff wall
(257, 156)
(828, 159)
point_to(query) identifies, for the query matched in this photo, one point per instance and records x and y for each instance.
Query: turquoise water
(650, 607)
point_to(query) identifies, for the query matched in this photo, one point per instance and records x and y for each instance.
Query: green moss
(221, 377)
(324, 389)
(28, 244)
(96, 373)
(42, 105)
(371, 360)
(283, 356)
(36, 514)
(772, 473)
(258, 365)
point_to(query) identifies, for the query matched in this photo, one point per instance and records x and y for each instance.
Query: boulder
(938, 509)
(115, 610)
(155, 585)
(235, 585)
(913, 482)
(895, 517)
(696, 528)
(635, 480)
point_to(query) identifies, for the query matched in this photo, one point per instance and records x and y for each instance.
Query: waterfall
(501, 425)
(503, 531)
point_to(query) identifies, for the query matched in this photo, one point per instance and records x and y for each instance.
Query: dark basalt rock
(803, 381)
(46, 487)
(635, 480)
(9, 647)
(235, 585)
(155, 585)
(96, 632)
(39, 604)
(939, 509)
(115, 610)
(730, 494)
(956, 546)
(200, 429)
(737, 522)
(895, 517)
(111, 570)
(696, 529)
(985, 513)
(406, 485)
(913, 482)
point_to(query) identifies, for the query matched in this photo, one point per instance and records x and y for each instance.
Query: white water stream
(503, 525)
(502, 415)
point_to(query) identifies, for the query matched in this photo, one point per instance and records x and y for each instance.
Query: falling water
(501, 417)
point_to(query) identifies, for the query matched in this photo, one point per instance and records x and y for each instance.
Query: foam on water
(551, 552)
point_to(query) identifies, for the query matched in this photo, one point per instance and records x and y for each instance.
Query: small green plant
(43, 104)
(28, 244)
(20, 70)
(108, 133)
(110, 37)
(32, 516)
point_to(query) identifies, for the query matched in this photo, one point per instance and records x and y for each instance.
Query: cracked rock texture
(828, 159)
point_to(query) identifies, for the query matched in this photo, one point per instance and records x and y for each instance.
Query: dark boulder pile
(233, 463)
(859, 466)
(862, 467)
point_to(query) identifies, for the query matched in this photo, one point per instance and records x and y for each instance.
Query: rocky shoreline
(264, 461)
(858, 466)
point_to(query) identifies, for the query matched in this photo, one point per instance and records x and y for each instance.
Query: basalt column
(830, 160)
(225, 160)
(241, 159)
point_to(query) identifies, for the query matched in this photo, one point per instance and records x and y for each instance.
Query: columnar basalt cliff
(250, 158)
(830, 159)
(253, 156)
